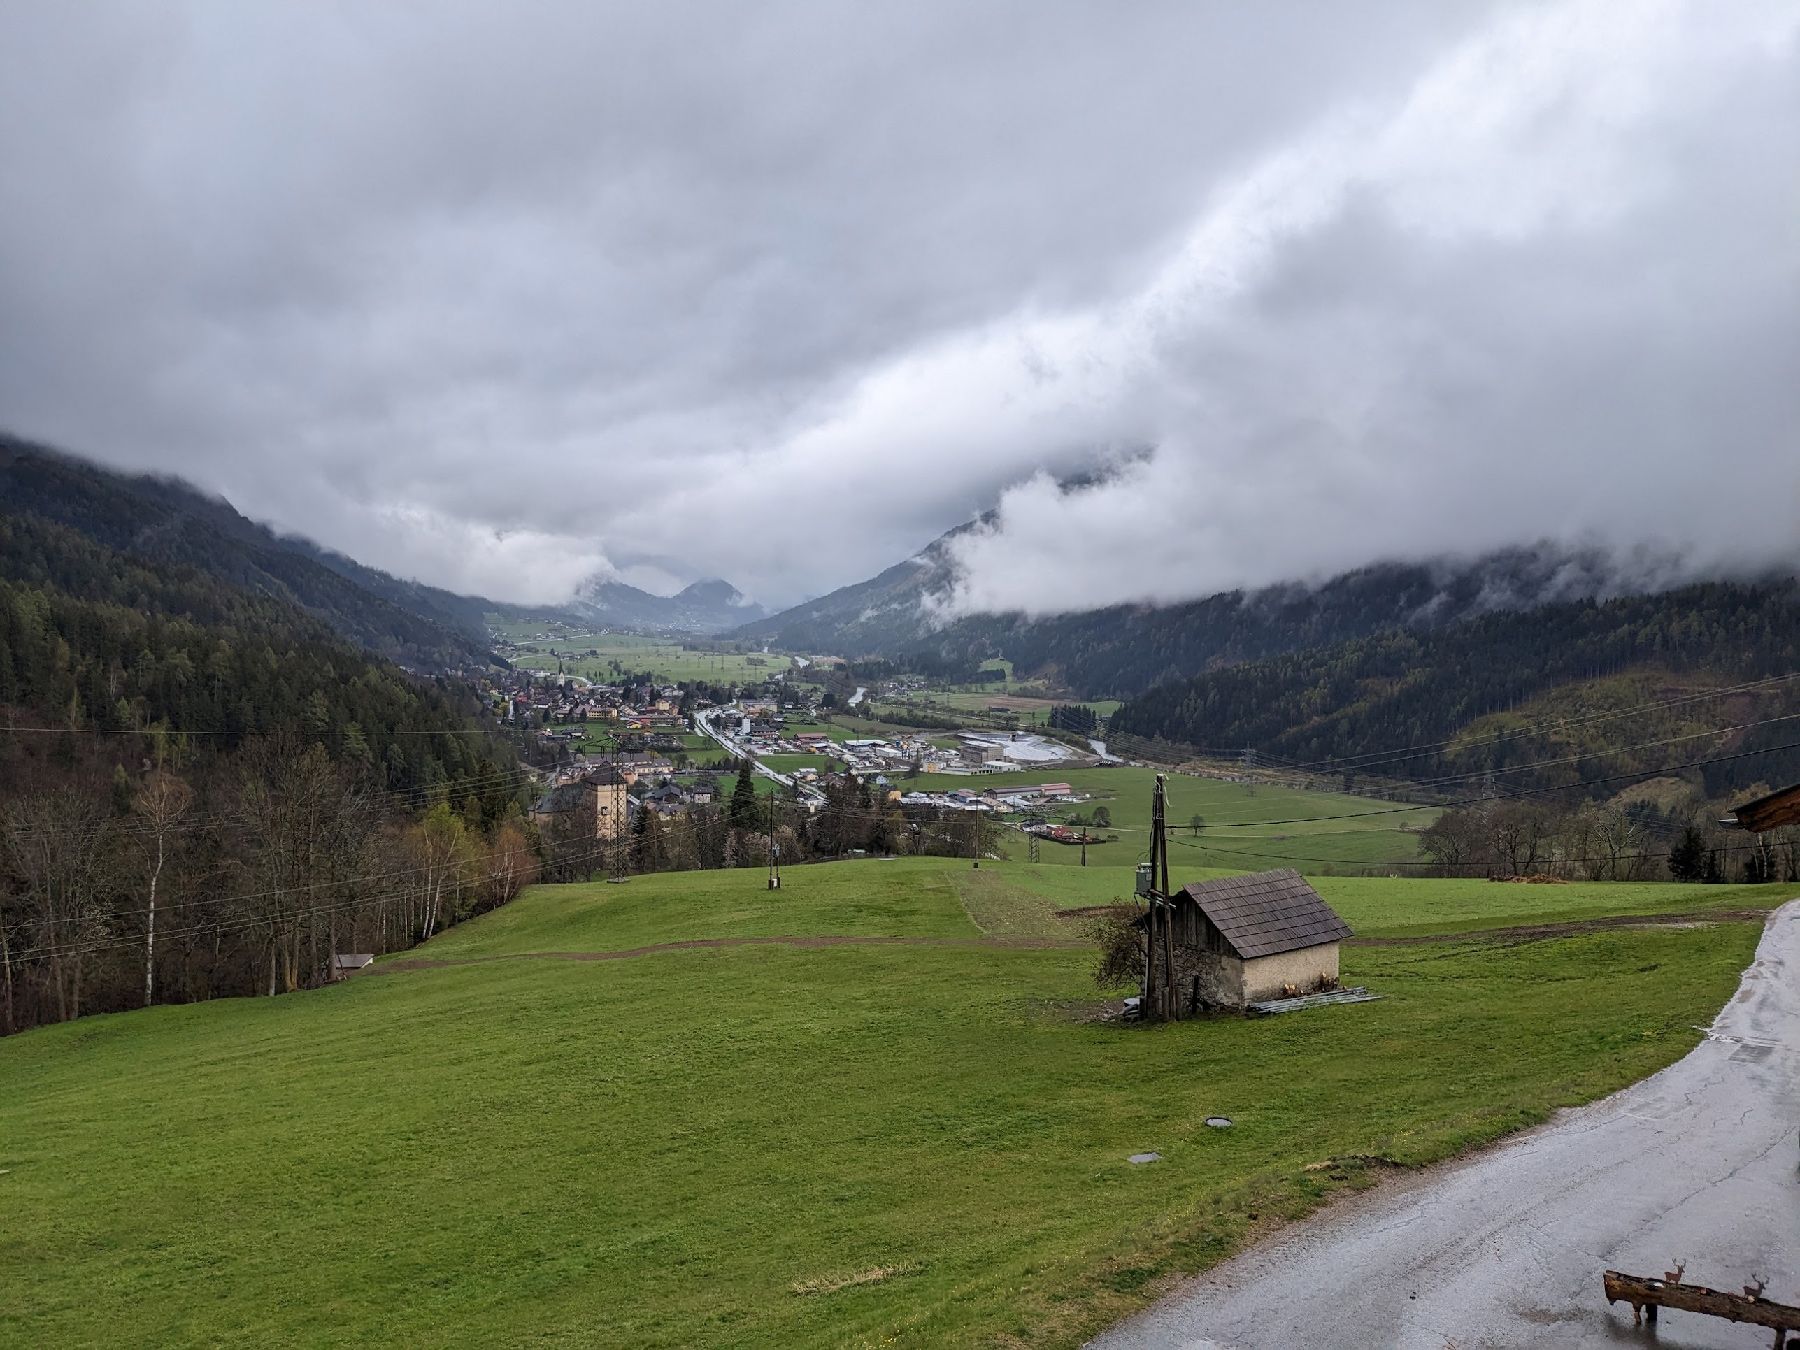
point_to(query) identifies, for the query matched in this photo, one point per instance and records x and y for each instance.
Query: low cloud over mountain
(505, 298)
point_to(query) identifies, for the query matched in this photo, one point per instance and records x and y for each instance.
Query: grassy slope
(659, 1151)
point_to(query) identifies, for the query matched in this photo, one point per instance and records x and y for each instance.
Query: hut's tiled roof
(1267, 913)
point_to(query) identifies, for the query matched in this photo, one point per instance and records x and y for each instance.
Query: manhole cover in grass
(1146, 1157)
(1219, 1122)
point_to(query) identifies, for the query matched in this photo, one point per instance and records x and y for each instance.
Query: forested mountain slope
(95, 641)
(465, 615)
(206, 791)
(1124, 650)
(882, 616)
(1342, 704)
(160, 520)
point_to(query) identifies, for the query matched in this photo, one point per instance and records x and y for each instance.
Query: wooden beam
(1642, 1292)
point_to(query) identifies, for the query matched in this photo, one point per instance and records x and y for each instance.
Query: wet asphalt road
(1700, 1162)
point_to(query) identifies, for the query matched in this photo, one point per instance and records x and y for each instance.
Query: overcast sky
(502, 295)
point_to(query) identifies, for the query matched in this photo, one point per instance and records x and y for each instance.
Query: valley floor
(789, 1143)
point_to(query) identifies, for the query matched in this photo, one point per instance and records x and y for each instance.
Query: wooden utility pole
(774, 849)
(1159, 984)
(1159, 828)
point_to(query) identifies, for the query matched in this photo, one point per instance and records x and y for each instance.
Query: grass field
(1031, 711)
(916, 1142)
(789, 763)
(666, 661)
(844, 726)
(1238, 835)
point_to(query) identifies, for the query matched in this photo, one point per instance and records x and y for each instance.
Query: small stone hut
(1249, 939)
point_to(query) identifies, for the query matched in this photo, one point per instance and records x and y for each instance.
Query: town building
(600, 791)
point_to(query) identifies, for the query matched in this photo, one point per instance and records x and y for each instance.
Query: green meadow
(558, 1125)
(1030, 711)
(1243, 830)
(628, 653)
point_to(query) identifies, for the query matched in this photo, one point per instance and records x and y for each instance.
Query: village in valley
(796, 720)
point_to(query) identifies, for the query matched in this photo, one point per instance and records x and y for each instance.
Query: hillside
(882, 616)
(1123, 650)
(888, 1125)
(164, 521)
(204, 790)
(96, 640)
(1453, 690)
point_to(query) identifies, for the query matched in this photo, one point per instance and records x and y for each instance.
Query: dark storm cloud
(500, 295)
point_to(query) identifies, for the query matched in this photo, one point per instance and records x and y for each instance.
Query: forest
(1336, 708)
(205, 790)
(1604, 841)
(164, 522)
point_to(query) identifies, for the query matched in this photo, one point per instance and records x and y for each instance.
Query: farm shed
(1248, 939)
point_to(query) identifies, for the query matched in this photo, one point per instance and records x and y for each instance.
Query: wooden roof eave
(1768, 813)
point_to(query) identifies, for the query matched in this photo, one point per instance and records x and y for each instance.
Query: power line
(1604, 754)
(1529, 792)
(1428, 862)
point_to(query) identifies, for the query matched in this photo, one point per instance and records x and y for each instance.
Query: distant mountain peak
(715, 591)
(708, 606)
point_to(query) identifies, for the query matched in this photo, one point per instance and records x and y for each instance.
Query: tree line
(1606, 841)
(238, 873)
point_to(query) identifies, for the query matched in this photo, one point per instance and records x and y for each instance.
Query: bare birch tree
(162, 802)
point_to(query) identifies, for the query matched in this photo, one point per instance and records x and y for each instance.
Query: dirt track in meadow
(1492, 936)
(408, 963)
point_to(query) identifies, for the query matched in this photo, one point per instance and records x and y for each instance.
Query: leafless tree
(162, 801)
(441, 851)
(301, 818)
(511, 863)
(60, 846)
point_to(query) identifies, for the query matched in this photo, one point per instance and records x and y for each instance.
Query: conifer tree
(742, 811)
